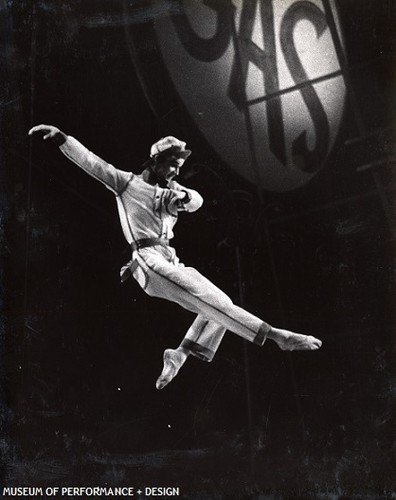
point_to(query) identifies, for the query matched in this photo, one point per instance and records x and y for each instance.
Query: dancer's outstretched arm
(112, 178)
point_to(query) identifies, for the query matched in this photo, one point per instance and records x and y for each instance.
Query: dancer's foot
(289, 341)
(173, 361)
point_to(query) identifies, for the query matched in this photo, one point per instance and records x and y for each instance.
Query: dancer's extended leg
(190, 289)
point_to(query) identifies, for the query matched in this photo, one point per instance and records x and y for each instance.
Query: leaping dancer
(148, 206)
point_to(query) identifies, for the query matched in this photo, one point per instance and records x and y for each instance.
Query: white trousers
(160, 274)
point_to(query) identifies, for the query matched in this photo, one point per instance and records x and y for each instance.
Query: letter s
(297, 12)
(209, 49)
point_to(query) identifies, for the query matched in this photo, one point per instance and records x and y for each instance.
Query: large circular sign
(261, 80)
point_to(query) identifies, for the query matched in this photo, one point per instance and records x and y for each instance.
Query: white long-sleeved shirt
(145, 211)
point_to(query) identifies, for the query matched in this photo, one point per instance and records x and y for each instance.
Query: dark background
(81, 352)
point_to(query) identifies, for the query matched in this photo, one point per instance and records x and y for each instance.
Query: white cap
(170, 142)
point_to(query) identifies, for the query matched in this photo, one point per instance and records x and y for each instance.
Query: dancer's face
(167, 168)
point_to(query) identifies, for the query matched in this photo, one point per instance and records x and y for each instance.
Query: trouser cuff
(198, 350)
(261, 336)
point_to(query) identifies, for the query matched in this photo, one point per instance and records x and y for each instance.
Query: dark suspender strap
(148, 242)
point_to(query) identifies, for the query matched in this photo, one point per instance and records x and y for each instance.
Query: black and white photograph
(198, 249)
